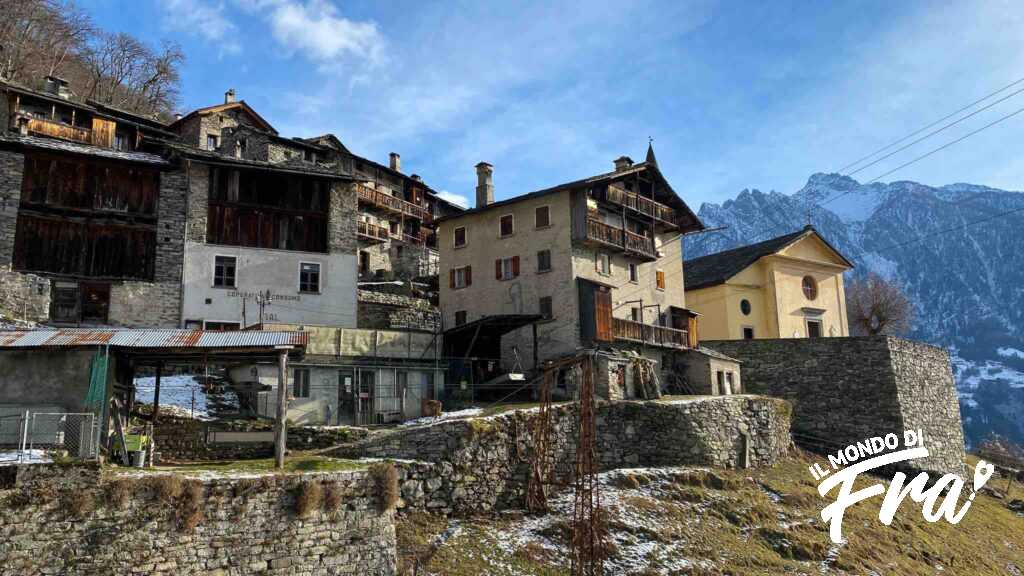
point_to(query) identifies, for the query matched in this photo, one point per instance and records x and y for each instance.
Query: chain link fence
(35, 437)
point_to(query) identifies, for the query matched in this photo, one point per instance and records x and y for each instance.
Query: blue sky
(735, 94)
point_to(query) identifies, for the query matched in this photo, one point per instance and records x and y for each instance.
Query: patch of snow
(467, 413)
(24, 457)
(1007, 352)
(878, 264)
(176, 394)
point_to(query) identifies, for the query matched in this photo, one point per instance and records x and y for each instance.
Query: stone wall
(846, 390)
(480, 464)
(12, 166)
(24, 296)
(72, 521)
(382, 311)
(341, 227)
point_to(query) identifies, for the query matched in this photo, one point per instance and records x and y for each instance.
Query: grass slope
(709, 522)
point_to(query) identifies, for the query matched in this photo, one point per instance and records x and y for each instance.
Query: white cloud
(203, 19)
(457, 199)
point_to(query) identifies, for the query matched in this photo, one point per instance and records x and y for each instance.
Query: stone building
(790, 286)
(592, 263)
(91, 223)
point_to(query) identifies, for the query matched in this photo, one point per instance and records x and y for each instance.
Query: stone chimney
(622, 163)
(57, 87)
(484, 184)
(229, 96)
(395, 161)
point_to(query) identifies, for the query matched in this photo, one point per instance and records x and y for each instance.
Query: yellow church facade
(786, 287)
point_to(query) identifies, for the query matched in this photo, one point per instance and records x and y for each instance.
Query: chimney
(229, 96)
(416, 177)
(58, 87)
(484, 185)
(623, 162)
(395, 161)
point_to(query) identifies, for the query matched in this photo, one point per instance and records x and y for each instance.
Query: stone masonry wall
(846, 390)
(24, 296)
(12, 166)
(480, 464)
(341, 219)
(70, 521)
(382, 311)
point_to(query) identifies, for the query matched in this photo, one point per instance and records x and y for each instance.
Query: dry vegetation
(763, 521)
(309, 495)
(386, 477)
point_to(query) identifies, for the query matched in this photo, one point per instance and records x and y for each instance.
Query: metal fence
(42, 436)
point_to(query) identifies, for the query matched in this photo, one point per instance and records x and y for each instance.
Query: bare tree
(40, 37)
(125, 73)
(877, 306)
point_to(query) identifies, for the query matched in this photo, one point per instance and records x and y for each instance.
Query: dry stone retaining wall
(465, 466)
(247, 526)
(846, 390)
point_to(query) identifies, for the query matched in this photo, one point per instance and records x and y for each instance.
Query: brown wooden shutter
(603, 314)
(469, 275)
(451, 279)
(497, 269)
(692, 339)
(515, 266)
(660, 276)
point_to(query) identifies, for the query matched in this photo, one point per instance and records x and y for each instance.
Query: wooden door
(603, 314)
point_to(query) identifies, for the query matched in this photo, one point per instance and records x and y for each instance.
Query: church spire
(650, 152)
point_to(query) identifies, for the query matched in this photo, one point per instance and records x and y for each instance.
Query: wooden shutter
(603, 314)
(469, 275)
(692, 339)
(451, 279)
(497, 269)
(660, 276)
(515, 266)
(103, 132)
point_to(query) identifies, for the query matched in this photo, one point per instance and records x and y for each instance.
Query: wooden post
(280, 430)
(156, 393)
(535, 364)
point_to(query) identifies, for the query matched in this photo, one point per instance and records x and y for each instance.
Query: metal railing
(619, 238)
(649, 334)
(40, 436)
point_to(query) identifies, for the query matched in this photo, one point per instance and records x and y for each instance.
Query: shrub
(190, 510)
(308, 499)
(79, 503)
(166, 488)
(333, 496)
(119, 493)
(386, 477)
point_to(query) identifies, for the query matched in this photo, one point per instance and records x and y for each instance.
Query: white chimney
(484, 184)
(395, 161)
(229, 96)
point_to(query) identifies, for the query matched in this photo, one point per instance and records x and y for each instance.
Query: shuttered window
(660, 278)
(506, 268)
(542, 217)
(460, 277)
(603, 314)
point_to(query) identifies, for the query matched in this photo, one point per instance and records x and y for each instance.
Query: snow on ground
(176, 394)
(26, 457)
(970, 374)
(1008, 352)
(467, 413)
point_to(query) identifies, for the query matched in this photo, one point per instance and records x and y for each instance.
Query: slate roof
(715, 269)
(85, 149)
(294, 166)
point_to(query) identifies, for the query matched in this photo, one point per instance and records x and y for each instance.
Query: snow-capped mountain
(957, 250)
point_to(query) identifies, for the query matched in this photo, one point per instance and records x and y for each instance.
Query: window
(309, 156)
(300, 385)
(660, 279)
(120, 142)
(224, 271)
(634, 274)
(461, 277)
(506, 226)
(544, 261)
(85, 302)
(546, 309)
(220, 326)
(364, 262)
(542, 217)
(241, 145)
(814, 328)
(211, 142)
(745, 307)
(309, 277)
(460, 237)
(634, 314)
(810, 286)
(506, 268)
(460, 317)
(748, 332)
(604, 264)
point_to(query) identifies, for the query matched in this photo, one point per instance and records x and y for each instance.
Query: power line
(943, 119)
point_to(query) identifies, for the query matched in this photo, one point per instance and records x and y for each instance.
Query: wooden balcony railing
(621, 239)
(59, 130)
(371, 231)
(648, 334)
(644, 206)
(389, 202)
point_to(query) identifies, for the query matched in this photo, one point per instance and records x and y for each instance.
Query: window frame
(234, 274)
(819, 323)
(746, 307)
(659, 280)
(299, 387)
(501, 220)
(753, 333)
(809, 284)
(216, 142)
(600, 258)
(634, 273)
(541, 270)
(508, 263)
(465, 317)
(455, 237)
(547, 213)
(457, 270)
(550, 315)
(319, 277)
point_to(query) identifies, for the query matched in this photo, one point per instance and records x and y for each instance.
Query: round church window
(810, 286)
(745, 307)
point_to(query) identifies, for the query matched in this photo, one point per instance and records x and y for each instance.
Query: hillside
(710, 522)
(956, 250)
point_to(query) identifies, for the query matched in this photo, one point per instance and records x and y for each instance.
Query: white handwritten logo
(849, 462)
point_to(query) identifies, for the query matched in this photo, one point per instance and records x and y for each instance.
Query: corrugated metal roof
(161, 338)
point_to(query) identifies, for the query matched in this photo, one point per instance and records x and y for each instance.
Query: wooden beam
(156, 393)
(280, 427)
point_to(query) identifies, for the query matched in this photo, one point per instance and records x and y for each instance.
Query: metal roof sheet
(158, 338)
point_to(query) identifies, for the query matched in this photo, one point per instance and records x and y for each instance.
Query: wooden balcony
(648, 334)
(53, 129)
(390, 203)
(371, 232)
(642, 206)
(623, 240)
